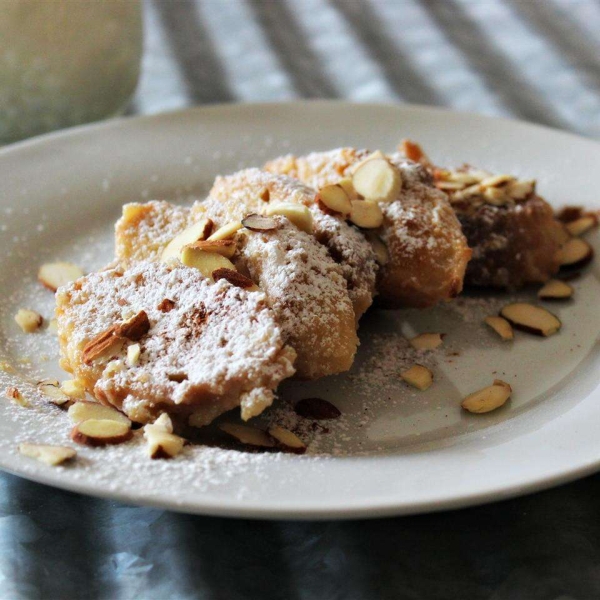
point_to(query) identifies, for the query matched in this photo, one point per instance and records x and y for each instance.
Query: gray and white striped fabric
(537, 60)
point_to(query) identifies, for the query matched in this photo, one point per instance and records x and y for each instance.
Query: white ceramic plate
(408, 452)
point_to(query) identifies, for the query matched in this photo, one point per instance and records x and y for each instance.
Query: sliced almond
(347, 185)
(55, 275)
(105, 345)
(101, 432)
(488, 399)
(85, 410)
(335, 198)
(134, 328)
(288, 440)
(366, 214)
(501, 326)
(166, 305)
(28, 320)
(530, 318)
(74, 388)
(317, 409)
(205, 262)
(495, 196)
(576, 253)
(133, 354)
(256, 222)
(581, 226)
(225, 248)
(496, 180)
(418, 376)
(251, 436)
(226, 232)
(49, 455)
(427, 341)
(297, 214)
(197, 231)
(377, 180)
(413, 152)
(164, 422)
(51, 388)
(521, 189)
(161, 442)
(14, 394)
(555, 289)
(381, 252)
(235, 278)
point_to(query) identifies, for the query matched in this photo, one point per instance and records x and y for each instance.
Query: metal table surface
(533, 59)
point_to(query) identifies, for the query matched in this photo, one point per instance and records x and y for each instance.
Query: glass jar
(66, 62)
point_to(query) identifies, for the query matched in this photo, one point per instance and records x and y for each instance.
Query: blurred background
(66, 61)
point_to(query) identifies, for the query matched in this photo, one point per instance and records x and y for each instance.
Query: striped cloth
(536, 60)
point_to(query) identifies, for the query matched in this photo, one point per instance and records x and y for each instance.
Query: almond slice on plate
(197, 231)
(14, 394)
(501, 326)
(74, 388)
(49, 455)
(427, 341)
(377, 180)
(256, 222)
(382, 256)
(85, 410)
(51, 388)
(235, 278)
(531, 318)
(225, 248)
(288, 440)
(28, 320)
(335, 198)
(581, 225)
(101, 432)
(555, 289)
(205, 262)
(251, 436)
(297, 214)
(226, 232)
(366, 214)
(161, 441)
(575, 254)
(418, 376)
(488, 399)
(55, 275)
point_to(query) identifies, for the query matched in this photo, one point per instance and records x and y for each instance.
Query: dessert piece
(217, 347)
(252, 190)
(426, 250)
(303, 284)
(513, 232)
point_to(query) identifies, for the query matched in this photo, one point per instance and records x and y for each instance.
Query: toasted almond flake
(51, 388)
(418, 376)
(582, 225)
(335, 198)
(377, 180)
(235, 278)
(102, 347)
(555, 289)
(427, 341)
(55, 275)
(501, 326)
(366, 214)
(531, 318)
(28, 320)
(164, 422)
(347, 185)
(166, 305)
(576, 253)
(521, 189)
(264, 194)
(205, 262)
(101, 432)
(85, 410)
(14, 394)
(251, 436)
(134, 328)
(468, 192)
(161, 443)
(297, 214)
(381, 252)
(49, 455)
(225, 248)
(226, 232)
(496, 196)
(413, 152)
(288, 440)
(133, 354)
(488, 399)
(256, 222)
(74, 388)
(450, 185)
(496, 180)
(197, 231)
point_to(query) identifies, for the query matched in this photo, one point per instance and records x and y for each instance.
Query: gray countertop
(537, 60)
